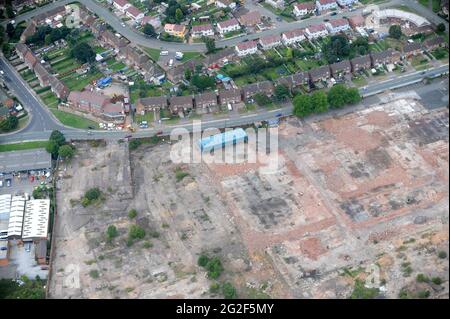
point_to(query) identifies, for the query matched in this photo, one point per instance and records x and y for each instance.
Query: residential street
(142, 40)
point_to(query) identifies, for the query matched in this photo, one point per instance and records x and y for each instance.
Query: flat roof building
(35, 224)
(28, 160)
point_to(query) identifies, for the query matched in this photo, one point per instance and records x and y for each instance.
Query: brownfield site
(357, 207)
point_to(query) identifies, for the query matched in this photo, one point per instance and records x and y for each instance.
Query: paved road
(41, 118)
(142, 40)
(233, 120)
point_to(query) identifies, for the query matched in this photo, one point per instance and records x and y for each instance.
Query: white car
(123, 24)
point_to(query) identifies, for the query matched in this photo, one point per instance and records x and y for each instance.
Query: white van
(164, 53)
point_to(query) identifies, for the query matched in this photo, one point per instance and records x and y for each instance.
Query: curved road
(41, 118)
(141, 39)
(233, 120)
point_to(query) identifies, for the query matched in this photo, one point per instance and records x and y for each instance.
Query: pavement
(233, 120)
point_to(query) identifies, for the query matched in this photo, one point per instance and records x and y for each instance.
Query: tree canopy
(202, 82)
(83, 53)
(395, 31)
(149, 30)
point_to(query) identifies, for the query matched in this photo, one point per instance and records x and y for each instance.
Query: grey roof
(411, 47)
(340, 66)
(17, 161)
(319, 72)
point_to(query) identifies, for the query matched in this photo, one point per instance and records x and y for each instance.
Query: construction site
(354, 197)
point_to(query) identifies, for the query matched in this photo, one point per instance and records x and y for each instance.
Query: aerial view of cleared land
(314, 228)
(224, 149)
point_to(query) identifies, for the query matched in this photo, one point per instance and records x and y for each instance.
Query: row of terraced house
(211, 101)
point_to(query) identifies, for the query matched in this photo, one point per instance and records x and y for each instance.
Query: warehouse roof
(35, 224)
(17, 161)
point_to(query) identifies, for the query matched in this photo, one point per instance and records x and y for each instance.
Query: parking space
(22, 262)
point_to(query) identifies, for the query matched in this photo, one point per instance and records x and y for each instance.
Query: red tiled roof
(246, 45)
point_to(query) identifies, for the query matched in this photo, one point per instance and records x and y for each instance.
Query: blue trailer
(209, 143)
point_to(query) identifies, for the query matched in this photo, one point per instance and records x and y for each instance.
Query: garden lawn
(73, 120)
(77, 82)
(189, 56)
(153, 53)
(149, 117)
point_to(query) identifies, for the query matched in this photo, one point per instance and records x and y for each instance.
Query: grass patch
(73, 120)
(22, 146)
(77, 82)
(152, 53)
(148, 116)
(359, 81)
(362, 292)
(189, 56)
(180, 174)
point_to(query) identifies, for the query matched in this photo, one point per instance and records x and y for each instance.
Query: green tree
(336, 48)
(440, 28)
(179, 15)
(111, 232)
(188, 74)
(202, 260)
(337, 96)
(262, 99)
(203, 82)
(395, 31)
(93, 193)
(149, 30)
(48, 39)
(319, 101)
(214, 267)
(58, 137)
(52, 147)
(132, 213)
(9, 124)
(210, 44)
(229, 292)
(281, 92)
(9, 11)
(66, 151)
(136, 232)
(83, 53)
(10, 29)
(302, 105)
(353, 96)
(28, 289)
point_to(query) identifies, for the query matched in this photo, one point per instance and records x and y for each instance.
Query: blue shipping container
(220, 140)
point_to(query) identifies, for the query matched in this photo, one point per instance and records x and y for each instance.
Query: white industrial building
(5, 208)
(16, 217)
(35, 223)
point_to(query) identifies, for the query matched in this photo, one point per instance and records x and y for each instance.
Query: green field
(22, 146)
(73, 120)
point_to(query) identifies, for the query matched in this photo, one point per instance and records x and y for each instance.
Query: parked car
(8, 183)
(333, 14)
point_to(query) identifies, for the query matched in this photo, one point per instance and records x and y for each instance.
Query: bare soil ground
(355, 197)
